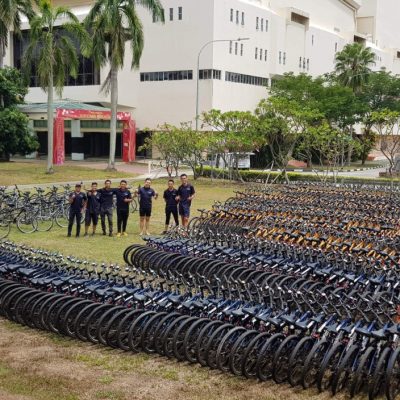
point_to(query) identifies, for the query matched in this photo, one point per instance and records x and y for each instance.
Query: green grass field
(106, 249)
(24, 173)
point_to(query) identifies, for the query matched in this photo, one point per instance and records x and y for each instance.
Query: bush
(262, 177)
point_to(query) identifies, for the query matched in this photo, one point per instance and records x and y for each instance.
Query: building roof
(67, 104)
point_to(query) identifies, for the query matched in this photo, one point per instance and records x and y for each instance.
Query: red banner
(129, 141)
(58, 141)
(90, 114)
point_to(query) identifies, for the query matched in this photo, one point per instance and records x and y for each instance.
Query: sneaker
(104, 233)
(85, 235)
(77, 236)
(110, 234)
(69, 235)
(141, 233)
(147, 233)
(118, 234)
(124, 234)
(93, 233)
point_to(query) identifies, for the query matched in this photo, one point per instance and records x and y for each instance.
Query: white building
(283, 36)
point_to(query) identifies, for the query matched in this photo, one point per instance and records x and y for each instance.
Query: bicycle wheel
(329, 366)
(225, 348)
(44, 220)
(392, 388)
(297, 360)
(203, 340)
(168, 340)
(280, 363)
(5, 228)
(377, 383)
(61, 219)
(363, 372)
(190, 340)
(265, 358)
(251, 354)
(26, 223)
(345, 371)
(313, 363)
(238, 351)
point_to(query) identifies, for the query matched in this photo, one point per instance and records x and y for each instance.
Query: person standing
(106, 207)
(77, 201)
(146, 194)
(171, 205)
(124, 198)
(185, 196)
(92, 209)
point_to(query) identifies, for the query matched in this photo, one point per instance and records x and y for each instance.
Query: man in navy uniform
(106, 207)
(185, 196)
(92, 209)
(171, 205)
(77, 201)
(124, 198)
(146, 194)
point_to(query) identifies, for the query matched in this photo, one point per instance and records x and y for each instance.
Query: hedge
(262, 177)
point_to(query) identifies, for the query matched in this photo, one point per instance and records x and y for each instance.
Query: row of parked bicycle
(228, 297)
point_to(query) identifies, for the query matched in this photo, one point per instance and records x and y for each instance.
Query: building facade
(280, 36)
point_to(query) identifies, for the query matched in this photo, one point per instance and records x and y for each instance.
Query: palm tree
(52, 53)
(112, 23)
(10, 17)
(353, 65)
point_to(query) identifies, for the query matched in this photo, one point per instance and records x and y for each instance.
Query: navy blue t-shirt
(106, 199)
(169, 196)
(93, 204)
(185, 192)
(146, 197)
(78, 201)
(121, 196)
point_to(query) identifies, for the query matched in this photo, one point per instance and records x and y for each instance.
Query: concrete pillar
(31, 128)
(77, 152)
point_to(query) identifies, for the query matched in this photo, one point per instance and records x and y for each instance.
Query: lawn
(23, 173)
(106, 249)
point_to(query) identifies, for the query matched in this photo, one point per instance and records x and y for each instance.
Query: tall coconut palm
(353, 65)
(10, 18)
(52, 52)
(112, 24)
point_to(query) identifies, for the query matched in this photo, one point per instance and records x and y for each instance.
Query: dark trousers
(174, 212)
(72, 216)
(122, 220)
(109, 213)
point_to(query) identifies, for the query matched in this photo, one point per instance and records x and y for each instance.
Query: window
(230, 47)
(236, 48)
(256, 53)
(266, 25)
(300, 59)
(180, 13)
(257, 22)
(336, 47)
(300, 19)
(262, 24)
(284, 58)
(166, 76)
(308, 64)
(245, 79)
(304, 63)
(242, 18)
(280, 57)
(237, 16)
(241, 49)
(171, 14)
(312, 40)
(231, 14)
(261, 54)
(266, 55)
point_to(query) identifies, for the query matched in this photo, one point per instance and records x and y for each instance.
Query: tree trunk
(113, 122)
(50, 125)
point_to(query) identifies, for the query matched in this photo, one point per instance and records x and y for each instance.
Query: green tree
(15, 135)
(52, 52)
(386, 123)
(353, 65)
(112, 24)
(10, 18)
(233, 134)
(282, 123)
